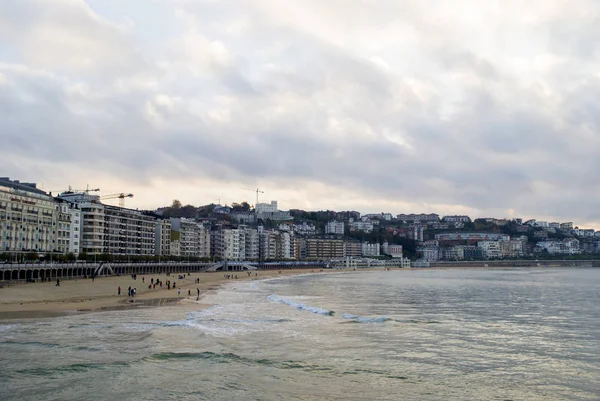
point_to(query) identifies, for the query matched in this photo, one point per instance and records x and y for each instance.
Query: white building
(368, 249)
(456, 219)
(335, 227)
(194, 239)
(28, 219)
(231, 244)
(252, 244)
(68, 227)
(490, 249)
(162, 238)
(568, 246)
(283, 249)
(304, 229)
(429, 253)
(366, 226)
(266, 207)
(395, 251)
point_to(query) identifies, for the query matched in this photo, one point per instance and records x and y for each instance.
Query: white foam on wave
(298, 305)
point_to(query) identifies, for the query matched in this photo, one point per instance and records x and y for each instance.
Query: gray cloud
(382, 102)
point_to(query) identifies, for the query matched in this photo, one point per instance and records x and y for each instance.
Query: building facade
(335, 227)
(28, 219)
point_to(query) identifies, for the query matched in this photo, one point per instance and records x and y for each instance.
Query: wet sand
(29, 300)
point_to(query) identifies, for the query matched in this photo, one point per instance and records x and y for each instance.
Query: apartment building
(366, 226)
(395, 251)
(368, 249)
(162, 237)
(282, 246)
(252, 245)
(28, 219)
(335, 227)
(456, 219)
(352, 248)
(112, 229)
(68, 227)
(230, 243)
(268, 245)
(490, 249)
(194, 239)
(415, 218)
(324, 248)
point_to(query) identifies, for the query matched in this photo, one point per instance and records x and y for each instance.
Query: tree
(176, 204)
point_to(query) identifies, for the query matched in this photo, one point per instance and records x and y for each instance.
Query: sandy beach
(24, 300)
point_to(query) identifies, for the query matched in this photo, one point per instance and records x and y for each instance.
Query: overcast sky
(489, 108)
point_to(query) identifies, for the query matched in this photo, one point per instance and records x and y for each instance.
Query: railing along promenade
(51, 271)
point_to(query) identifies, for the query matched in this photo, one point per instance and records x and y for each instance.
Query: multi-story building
(28, 219)
(68, 227)
(304, 229)
(566, 226)
(568, 246)
(162, 237)
(282, 246)
(395, 251)
(127, 232)
(456, 219)
(368, 249)
(415, 218)
(352, 248)
(268, 245)
(231, 244)
(554, 225)
(111, 229)
(429, 253)
(490, 249)
(335, 227)
(324, 248)
(366, 226)
(470, 238)
(512, 249)
(194, 239)
(266, 207)
(252, 246)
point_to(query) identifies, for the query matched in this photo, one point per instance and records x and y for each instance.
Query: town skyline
(135, 203)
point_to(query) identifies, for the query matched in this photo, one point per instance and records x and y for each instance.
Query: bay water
(515, 334)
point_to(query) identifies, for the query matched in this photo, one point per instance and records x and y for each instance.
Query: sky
(485, 108)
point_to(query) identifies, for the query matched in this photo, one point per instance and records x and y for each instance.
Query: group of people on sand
(230, 276)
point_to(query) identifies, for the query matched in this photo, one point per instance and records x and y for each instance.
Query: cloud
(398, 106)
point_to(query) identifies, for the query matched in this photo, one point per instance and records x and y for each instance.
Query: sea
(420, 334)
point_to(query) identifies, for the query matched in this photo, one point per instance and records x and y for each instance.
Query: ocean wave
(360, 319)
(75, 367)
(301, 306)
(228, 357)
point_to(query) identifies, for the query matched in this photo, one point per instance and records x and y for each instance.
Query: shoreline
(78, 296)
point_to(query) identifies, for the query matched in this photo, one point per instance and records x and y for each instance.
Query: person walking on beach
(119, 291)
(178, 291)
(57, 283)
(198, 290)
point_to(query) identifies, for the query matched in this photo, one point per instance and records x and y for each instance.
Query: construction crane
(120, 196)
(86, 191)
(257, 190)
